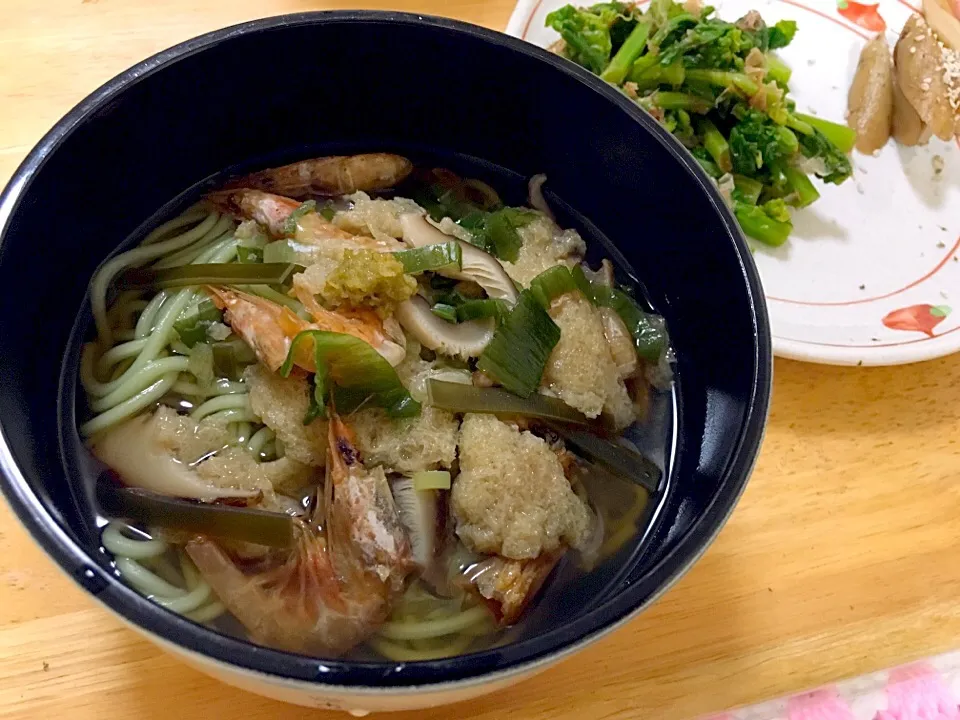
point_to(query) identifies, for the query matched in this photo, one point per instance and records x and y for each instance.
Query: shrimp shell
(338, 584)
(334, 175)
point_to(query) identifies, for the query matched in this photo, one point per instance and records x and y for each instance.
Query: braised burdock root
(871, 97)
(919, 58)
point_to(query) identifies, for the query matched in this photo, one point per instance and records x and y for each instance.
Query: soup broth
(354, 407)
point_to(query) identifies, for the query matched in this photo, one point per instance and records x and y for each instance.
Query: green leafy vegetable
(636, 42)
(351, 372)
(763, 223)
(587, 32)
(781, 34)
(841, 136)
(836, 165)
(518, 352)
(699, 76)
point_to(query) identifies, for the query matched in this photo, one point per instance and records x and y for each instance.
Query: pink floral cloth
(927, 690)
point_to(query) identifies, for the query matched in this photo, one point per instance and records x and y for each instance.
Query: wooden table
(842, 557)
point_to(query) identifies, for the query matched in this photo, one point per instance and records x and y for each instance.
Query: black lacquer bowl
(285, 88)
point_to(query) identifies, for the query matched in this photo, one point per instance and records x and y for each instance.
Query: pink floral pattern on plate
(927, 690)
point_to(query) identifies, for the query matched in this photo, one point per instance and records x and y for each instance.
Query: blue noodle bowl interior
(353, 407)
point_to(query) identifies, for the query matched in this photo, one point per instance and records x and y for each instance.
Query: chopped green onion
(208, 274)
(200, 364)
(219, 521)
(249, 254)
(614, 456)
(352, 372)
(327, 213)
(193, 328)
(431, 480)
(552, 283)
(290, 224)
(479, 309)
(518, 352)
(445, 312)
(231, 357)
(250, 249)
(289, 250)
(501, 228)
(456, 397)
(430, 257)
(649, 331)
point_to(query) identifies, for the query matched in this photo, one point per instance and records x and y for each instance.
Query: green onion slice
(231, 357)
(459, 398)
(445, 312)
(518, 352)
(353, 373)
(649, 331)
(467, 310)
(193, 328)
(430, 257)
(208, 274)
(552, 283)
(219, 521)
(290, 224)
(431, 480)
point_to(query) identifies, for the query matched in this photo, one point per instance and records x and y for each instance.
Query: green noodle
(221, 402)
(259, 441)
(401, 653)
(434, 628)
(147, 375)
(139, 256)
(143, 564)
(128, 408)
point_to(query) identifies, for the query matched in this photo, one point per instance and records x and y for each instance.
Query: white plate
(872, 268)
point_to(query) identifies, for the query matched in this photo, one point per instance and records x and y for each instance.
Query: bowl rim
(483, 666)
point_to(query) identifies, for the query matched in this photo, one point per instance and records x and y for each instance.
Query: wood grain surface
(842, 557)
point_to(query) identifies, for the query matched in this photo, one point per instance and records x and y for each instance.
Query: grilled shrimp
(272, 211)
(337, 585)
(270, 328)
(336, 175)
